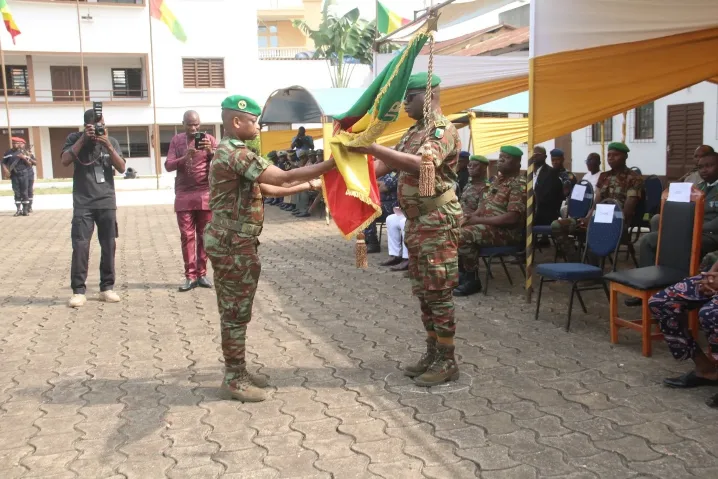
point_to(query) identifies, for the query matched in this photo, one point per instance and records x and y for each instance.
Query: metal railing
(285, 53)
(277, 4)
(75, 95)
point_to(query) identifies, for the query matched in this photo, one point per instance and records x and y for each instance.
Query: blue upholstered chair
(488, 255)
(602, 240)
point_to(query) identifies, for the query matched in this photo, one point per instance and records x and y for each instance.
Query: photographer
(189, 155)
(18, 164)
(93, 154)
(302, 141)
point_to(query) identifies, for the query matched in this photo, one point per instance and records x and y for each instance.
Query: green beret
(513, 151)
(241, 103)
(272, 155)
(418, 81)
(479, 158)
(618, 146)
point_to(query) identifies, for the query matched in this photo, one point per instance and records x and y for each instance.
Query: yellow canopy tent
(592, 59)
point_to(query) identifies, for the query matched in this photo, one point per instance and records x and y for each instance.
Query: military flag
(350, 191)
(160, 11)
(9, 21)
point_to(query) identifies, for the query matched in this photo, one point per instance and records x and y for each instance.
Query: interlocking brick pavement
(130, 390)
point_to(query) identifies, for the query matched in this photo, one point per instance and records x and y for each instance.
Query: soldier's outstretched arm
(272, 191)
(276, 177)
(394, 160)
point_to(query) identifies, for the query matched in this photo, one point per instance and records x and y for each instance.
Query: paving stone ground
(130, 390)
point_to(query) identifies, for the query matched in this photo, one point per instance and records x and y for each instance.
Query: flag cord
(427, 170)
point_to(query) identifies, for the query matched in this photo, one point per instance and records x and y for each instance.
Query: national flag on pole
(7, 17)
(350, 191)
(160, 11)
(388, 21)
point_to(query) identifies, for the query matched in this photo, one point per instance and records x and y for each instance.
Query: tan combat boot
(426, 360)
(242, 388)
(443, 369)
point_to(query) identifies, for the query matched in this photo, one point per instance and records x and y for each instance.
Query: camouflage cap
(243, 104)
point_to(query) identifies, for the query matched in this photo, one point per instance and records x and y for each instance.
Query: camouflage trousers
(475, 237)
(434, 273)
(561, 229)
(236, 268)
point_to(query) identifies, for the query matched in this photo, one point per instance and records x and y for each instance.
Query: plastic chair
(678, 257)
(602, 240)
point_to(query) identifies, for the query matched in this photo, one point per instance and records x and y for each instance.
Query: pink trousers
(191, 225)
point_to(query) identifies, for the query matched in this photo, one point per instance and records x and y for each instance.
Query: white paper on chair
(604, 213)
(680, 192)
(579, 191)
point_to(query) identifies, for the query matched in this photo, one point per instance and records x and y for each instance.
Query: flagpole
(155, 129)
(82, 58)
(7, 94)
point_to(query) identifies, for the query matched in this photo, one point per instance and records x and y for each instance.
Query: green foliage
(339, 37)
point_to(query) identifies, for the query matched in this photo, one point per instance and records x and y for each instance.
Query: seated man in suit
(569, 179)
(621, 184)
(670, 309)
(648, 247)
(548, 189)
(499, 220)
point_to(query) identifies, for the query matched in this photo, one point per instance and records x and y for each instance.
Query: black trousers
(21, 187)
(83, 225)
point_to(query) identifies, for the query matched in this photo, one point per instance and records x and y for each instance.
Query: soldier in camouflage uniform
(478, 184)
(498, 221)
(238, 178)
(432, 227)
(620, 183)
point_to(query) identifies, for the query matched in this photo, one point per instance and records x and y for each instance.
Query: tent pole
(530, 190)
(603, 147)
(623, 127)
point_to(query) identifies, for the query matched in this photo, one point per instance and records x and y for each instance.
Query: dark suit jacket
(548, 195)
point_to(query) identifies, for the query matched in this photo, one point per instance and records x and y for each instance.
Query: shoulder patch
(439, 133)
(441, 123)
(236, 143)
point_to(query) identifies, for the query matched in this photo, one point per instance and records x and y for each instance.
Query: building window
(17, 83)
(203, 72)
(167, 132)
(267, 35)
(134, 140)
(127, 82)
(607, 131)
(644, 122)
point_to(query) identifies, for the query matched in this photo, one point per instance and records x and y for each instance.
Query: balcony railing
(75, 96)
(279, 4)
(286, 53)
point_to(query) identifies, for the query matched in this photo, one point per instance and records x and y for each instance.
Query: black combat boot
(424, 362)
(442, 370)
(29, 207)
(25, 207)
(470, 284)
(19, 209)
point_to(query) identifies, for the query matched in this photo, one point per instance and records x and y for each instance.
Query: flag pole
(82, 58)
(155, 129)
(7, 94)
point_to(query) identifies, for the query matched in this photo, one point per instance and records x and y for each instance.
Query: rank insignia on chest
(439, 133)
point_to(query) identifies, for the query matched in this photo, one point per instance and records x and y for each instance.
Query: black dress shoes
(403, 266)
(689, 380)
(187, 285)
(203, 282)
(392, 261)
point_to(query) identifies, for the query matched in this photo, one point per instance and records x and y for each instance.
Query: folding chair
(678, 257)
(488, 255)
(602, 240)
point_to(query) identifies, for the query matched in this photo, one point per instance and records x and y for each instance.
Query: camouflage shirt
(233, 189)
(505, 195)
(619, 185)
(473, 194)
(446, 145)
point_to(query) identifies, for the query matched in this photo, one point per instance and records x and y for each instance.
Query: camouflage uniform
(472, 194)
(618, 185)
(508, 194)
(235, 201)
(432, 239)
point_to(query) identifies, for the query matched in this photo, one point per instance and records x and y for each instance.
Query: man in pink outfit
(191, 162)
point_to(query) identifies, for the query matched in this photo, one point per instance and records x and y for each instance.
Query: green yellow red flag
(160, 11)
(9, 21)
(386, 20)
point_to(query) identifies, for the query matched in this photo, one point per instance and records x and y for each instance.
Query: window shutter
(203, 72)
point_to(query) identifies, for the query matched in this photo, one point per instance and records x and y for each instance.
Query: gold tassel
(427, 173)
(360, 252)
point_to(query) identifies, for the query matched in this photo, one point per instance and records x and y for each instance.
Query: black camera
(99, 127)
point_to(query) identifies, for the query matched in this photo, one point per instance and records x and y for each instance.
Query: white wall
(650, 156)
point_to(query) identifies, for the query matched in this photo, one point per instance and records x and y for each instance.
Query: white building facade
(219, 58)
